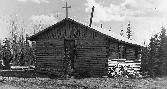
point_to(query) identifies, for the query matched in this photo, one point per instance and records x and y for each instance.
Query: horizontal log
(91, 57)
(131, 57)
(51, 70)
(91, 53)
(52, 41)
(91, 40)
(91, 47)
(91, 50)
(44, 64)
(89, 67)
(56, 52)
(49, 59)
(49, 63)
(40, 47)
(51, 66)
(50, 53)
(49, 56)
(50, 48)
(91, 63)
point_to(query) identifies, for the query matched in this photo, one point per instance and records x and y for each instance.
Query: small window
(136, 53)
(46, 44)
(122, 52)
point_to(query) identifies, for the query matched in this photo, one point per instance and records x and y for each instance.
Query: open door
(69, 46)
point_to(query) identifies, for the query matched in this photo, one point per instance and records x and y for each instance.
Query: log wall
(113, 50)
(91, 56)
(50, 54)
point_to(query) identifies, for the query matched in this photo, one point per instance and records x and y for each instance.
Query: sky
(145, 16)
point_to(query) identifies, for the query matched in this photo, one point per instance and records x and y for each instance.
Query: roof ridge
(101, 30)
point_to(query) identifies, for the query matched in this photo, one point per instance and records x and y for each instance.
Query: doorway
(69, 48)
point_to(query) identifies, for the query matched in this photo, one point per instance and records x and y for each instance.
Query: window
(122, 52)
(137, 53)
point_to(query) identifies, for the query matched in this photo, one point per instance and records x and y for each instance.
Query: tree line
(16, 49)
(154, 56)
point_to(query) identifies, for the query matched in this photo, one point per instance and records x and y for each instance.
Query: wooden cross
(66, 9)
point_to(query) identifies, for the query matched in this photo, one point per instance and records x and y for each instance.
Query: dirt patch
(6, 86)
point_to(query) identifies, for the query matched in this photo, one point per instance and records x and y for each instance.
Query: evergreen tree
(122, 33)
(154, 62)
(129, 31)
(150, 61)
(1, 62)
(157, 56)
(6, 54)
(145, 61)
(154, 59)
(29, 57)
(162, 51)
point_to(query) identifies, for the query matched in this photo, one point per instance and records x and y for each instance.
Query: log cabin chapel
(70, 45)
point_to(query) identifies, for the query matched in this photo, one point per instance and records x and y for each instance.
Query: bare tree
(18, 44)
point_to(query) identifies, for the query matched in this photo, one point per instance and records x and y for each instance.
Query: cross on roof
(66, 9)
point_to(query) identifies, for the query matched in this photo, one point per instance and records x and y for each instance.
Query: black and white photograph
(83, 44)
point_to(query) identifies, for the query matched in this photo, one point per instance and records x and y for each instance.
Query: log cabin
(70, 45)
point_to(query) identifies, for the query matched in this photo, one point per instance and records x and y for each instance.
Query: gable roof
(101, 30)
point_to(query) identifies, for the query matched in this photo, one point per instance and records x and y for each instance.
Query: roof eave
(33, 37)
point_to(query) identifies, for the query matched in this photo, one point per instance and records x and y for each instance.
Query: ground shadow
(24, 74)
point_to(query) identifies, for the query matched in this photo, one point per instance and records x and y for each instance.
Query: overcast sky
(146, 16)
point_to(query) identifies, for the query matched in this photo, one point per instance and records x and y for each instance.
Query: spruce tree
(122, 31)
(129, 32)
(156, 61)
(6, 54)
(162, 51)
(153, 59)
(151, 56)
(145, 61)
